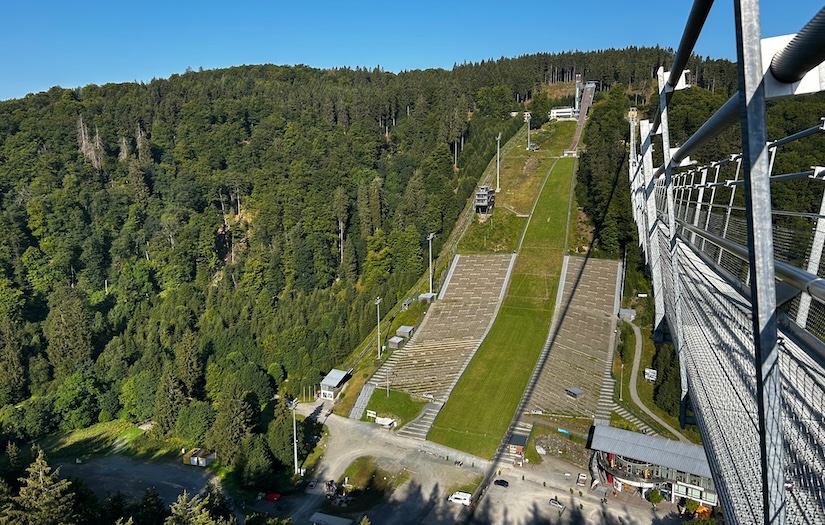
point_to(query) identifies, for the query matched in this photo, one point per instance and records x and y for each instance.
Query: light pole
(498, 161)
(378, 335)
(292, 406)
(621, 383)
(430, 238)
(527, 117)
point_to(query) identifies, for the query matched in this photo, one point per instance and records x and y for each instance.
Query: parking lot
(527, 501)
(109, 474)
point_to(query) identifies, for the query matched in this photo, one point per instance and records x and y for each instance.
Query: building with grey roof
(637, 461)
(332, 383)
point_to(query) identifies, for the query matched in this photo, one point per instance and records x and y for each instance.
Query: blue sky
(47, 43)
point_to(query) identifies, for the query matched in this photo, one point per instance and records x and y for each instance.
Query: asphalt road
(526, 501)
(423, 499)
(433, 475)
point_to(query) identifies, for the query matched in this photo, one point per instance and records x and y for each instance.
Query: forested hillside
(181, 250)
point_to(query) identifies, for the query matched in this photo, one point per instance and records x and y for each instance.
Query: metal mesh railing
(762, 424)
(716, 327)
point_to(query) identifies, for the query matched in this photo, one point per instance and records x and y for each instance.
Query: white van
(461, 497)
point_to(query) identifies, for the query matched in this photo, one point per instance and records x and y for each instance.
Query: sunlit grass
(480, 408)
(500, 233)
(397, 405)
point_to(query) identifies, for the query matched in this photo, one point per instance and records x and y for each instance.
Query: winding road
(634, 394)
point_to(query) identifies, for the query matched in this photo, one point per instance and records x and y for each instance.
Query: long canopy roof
(651, 449)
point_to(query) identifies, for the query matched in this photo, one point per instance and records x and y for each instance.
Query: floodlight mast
(498, 164)
(378, 335)
(527, 117)
(430, 238)
(292, 406)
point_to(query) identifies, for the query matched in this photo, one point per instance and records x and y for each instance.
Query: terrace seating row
(431, 362)
(580, 340)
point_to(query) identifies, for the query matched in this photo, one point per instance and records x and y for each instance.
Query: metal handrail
(796, 277)
(803, 53)
(696, 19)
(795, 60)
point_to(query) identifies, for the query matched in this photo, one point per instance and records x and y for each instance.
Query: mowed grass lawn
(481, 406)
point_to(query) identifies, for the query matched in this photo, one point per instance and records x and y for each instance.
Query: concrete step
(420, 426)
(361, 403)
(641, 425)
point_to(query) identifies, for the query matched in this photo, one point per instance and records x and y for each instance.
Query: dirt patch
(559, 446)
(110, 474)
(584, 233)
(530, 166)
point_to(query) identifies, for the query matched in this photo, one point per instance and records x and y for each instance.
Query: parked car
(501, 483)
(581, 480)
(557, 504)
(312, 484)
(461, 497)
(273, 497)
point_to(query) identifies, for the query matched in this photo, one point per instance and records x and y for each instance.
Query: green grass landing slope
(483, 402)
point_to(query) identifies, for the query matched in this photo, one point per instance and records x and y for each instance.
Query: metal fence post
(760, 257)
(814, 258)
(665, 91)
(712, 201)
(652, 233)
(699, 199)
(730, 207)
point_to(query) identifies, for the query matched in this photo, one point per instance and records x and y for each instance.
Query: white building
(332, 383)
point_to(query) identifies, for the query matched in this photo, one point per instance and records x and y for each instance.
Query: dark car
(501, 483)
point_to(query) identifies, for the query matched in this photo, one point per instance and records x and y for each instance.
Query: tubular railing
(721, 212)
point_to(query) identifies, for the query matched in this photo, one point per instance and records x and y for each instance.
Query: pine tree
(234, 421)
(188, 364)
(44, 498)
(114, 508)
(340, 203)
(194, 511)
(12, 371)
(257, 467)
(68, 331)
(150, 510)
(13, 458)
(168, 401)
(5, 503)
(279, 434)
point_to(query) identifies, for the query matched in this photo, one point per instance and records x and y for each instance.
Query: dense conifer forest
(182, 250)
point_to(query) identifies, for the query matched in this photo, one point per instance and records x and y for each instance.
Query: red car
(273, 497)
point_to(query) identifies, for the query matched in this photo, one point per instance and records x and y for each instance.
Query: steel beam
(755, 161)
(655, 262)
(696, 19)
